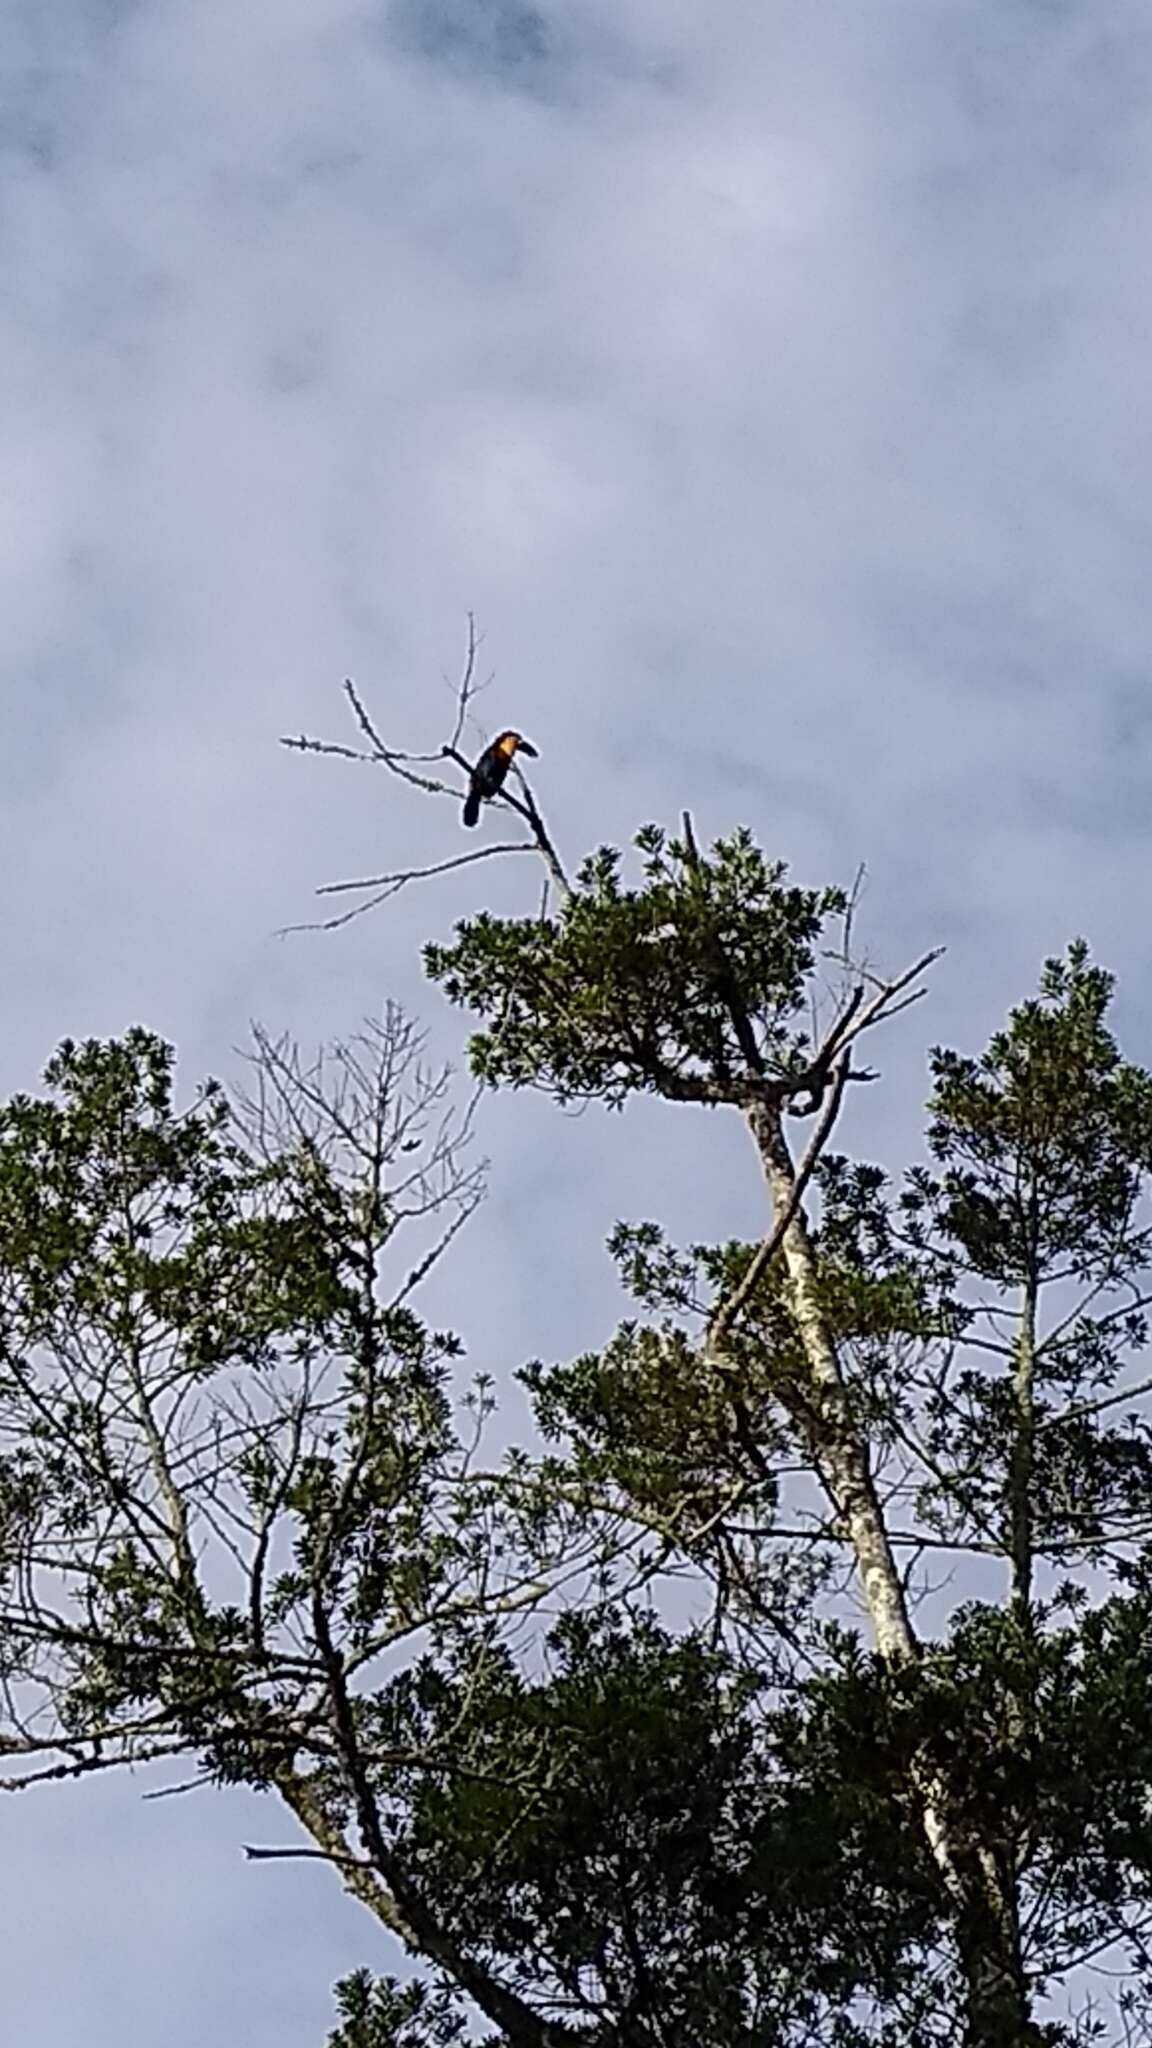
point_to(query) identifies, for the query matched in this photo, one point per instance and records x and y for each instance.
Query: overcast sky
(771, 380)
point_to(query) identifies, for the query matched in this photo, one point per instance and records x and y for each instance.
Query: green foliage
(650, 1415)
(217, 1425)
(1044, 1140)
(984, 1317)
(633, 989)
(379, 2012)
(595, 1728)
(653, 1863)
(1043, 1739)
(116, 1207)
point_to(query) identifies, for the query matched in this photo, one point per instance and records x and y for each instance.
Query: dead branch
(765, 1253)
(256, 1855)
(410, 767)
(391, 885)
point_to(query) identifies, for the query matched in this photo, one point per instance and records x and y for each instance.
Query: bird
(487, 777)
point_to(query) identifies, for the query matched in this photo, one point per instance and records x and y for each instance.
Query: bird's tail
(472, 807)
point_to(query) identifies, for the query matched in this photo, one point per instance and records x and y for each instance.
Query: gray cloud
(508, 39)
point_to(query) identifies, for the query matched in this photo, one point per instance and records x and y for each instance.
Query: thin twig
(177, 1791)
(1083, 1408)
(377, 752)
(466, 688)
(391, 885)
(440, 867)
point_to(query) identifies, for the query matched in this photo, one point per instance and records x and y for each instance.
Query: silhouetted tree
(244, 1519)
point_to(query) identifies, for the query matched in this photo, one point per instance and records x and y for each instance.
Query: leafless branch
(397, 880)
(766, 1251)
(1083, 1408)
(467, 687)
(256, 1855)
(409, 766)
(195, 1784)
(391, 885)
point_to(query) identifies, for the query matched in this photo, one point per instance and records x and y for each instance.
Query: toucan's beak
(526, 747)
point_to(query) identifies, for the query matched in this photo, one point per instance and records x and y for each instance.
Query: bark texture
(982, 1901)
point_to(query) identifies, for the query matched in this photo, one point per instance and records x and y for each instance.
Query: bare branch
(765, 1253)
(408, 766)
(331, 1856)
(392, 885)
(396, 880)
(467, 687)
(854, 895)
(1084, 1408)
(178, 1791)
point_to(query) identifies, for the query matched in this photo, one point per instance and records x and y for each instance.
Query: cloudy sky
(772, 382)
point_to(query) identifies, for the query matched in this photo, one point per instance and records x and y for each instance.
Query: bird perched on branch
(489, 774)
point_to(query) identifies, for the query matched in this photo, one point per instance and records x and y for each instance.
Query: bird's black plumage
(488, 776)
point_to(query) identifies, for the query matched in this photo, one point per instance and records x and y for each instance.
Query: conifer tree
(887, 1783)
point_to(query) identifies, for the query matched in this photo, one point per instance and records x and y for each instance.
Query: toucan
(487, 778)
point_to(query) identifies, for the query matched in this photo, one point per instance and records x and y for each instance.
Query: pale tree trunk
(982, 1905)
(840, 1450)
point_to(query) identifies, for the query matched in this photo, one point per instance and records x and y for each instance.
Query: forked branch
(418, 770)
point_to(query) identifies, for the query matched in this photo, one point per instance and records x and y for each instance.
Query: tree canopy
(793, 1682)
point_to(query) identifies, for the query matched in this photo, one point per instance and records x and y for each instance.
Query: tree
(232, 1481)
(239, 1521)
(942, 1366)
(897, 1372)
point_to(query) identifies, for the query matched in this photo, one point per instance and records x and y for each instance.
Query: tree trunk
(988, 1939)
(982, 1906)
(834, 1435)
